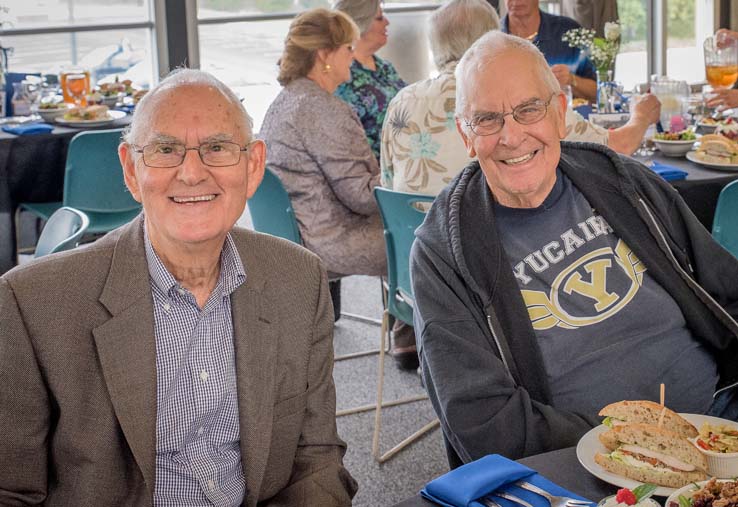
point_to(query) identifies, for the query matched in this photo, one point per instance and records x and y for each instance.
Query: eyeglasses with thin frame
(527, 113)
(213, 154)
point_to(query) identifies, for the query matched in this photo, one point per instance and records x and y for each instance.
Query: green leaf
(607, 421)
(644, 491)
(684, 501)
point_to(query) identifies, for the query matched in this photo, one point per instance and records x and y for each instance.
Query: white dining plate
(687, 491)
(712, 165)
(114, 115)
(590, 444)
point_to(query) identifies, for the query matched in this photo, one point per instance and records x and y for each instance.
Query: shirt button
(204, 375)
(166, 307)
(200, 431)
(181, 292)
(211, 485)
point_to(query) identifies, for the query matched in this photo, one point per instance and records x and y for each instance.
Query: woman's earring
(326, 68)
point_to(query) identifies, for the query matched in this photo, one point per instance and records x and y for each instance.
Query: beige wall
(408, 47)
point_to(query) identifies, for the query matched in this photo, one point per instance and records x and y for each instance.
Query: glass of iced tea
(75, 86)
(721, 61)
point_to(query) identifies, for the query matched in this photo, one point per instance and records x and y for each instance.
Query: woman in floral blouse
(374, 82)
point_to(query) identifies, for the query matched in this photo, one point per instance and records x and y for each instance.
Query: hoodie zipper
(690, 281)
(499, 349)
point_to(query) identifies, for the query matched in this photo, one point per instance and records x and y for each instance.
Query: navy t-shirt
(607, 331)
(548, 40)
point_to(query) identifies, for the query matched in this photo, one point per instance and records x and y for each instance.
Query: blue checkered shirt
(198, 458)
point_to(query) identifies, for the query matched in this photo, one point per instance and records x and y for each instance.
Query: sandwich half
(716, 148)
(647, 453)
(642, 412)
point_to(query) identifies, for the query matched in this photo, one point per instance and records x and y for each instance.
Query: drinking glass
(721, 61)
(76, 87)
(672, 95)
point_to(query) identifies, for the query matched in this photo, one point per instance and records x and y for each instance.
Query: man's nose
(512, 132)
(193, 170)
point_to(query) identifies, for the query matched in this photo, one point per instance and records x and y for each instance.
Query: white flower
(612, 31)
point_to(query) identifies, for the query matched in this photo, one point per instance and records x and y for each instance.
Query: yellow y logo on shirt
(546, 312)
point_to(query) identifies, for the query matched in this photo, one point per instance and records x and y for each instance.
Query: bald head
(485, 52)
(185, 81)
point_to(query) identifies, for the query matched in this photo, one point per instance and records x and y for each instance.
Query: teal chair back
(400, 218)
(271, 209)
(63, 231)
(93, 179)
(725, 223)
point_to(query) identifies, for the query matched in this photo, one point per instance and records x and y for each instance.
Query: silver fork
(512, 498)
(555, 501)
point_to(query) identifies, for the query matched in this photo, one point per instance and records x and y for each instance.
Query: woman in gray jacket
(318, 148)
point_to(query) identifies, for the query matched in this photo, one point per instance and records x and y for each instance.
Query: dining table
(560, 466)
(32, 170)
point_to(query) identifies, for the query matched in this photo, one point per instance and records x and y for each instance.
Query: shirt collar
(232, 273)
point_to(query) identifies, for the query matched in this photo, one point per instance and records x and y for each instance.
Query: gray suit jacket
(78, 377)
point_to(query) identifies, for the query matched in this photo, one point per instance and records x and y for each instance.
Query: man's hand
(645, 109)
(563, 74)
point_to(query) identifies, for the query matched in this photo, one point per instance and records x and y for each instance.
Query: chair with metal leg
(63, 231)
(725, 222)
(93, 184)
(401, 217)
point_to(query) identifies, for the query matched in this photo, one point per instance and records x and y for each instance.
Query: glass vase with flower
(602, 51)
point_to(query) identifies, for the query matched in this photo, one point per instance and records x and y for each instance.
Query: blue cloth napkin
(668, 172)
(29, 129)
(465, 485)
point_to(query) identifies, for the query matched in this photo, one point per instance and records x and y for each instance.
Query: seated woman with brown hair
(318, 148)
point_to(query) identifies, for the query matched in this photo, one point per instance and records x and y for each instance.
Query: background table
(561, 467)
(32, 170)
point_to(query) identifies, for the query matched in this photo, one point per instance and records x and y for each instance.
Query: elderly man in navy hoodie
(553, 278)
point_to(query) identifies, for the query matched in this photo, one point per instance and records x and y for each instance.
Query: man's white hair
(447, 41)
(176, 79)
(483, 52)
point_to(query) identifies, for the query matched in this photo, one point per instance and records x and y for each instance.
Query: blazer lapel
(256, 345)
(126, 346)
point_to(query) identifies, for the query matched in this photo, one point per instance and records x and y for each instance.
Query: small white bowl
(674, 148)
(648, 502)
(49, 115)
(111, 100)
(707, 128)
(723, 465)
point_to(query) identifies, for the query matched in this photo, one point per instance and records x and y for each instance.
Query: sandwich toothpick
(663, 407)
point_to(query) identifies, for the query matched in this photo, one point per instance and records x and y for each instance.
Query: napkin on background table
(668, 172)
(29, 129)
(463, 486)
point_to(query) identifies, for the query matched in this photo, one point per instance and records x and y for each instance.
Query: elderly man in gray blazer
(178, 360)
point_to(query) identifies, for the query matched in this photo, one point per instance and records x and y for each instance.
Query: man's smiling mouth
(194, 198)
(521, 159)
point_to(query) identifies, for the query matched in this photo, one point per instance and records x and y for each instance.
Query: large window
(676, 33)
(240, 42)
(106, 37)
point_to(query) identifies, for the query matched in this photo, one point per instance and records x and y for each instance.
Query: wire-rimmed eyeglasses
(486, 124)
(213, 154)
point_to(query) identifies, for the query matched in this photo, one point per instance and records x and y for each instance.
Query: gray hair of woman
(361, 11)
(448, 42)
(484, 51)
(182, 77)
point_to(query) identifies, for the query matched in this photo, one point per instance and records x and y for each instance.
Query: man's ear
(561, 114)
(255, 166)
(125, 155)
(470, 151)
